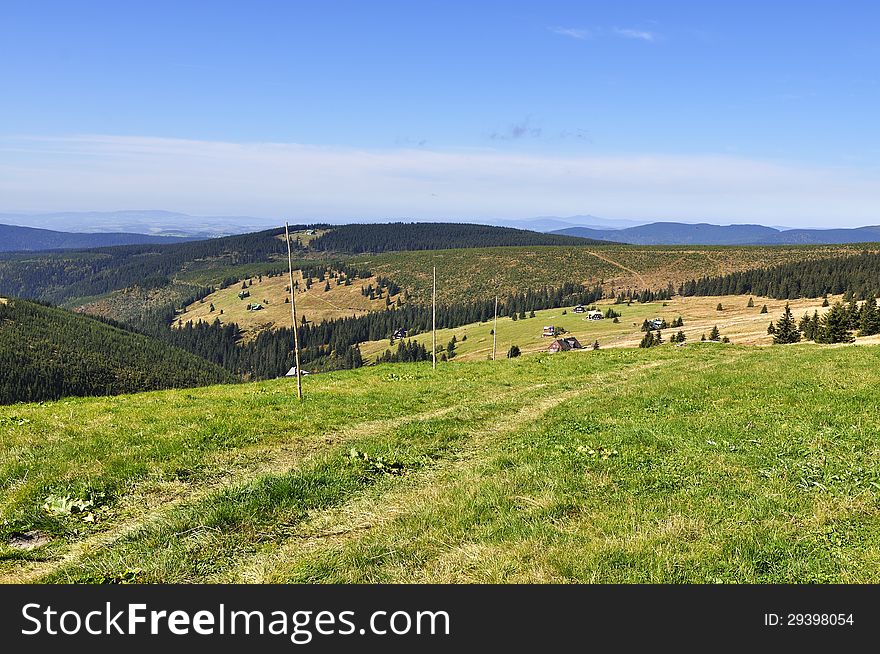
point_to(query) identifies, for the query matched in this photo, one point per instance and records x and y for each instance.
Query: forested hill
(394, 237)
(858, 274)
(16, 238)
(48, 353)
(57, 276)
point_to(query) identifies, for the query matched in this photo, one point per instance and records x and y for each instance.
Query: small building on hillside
(657, 323)
(580, 309)
(400, 332)
(564, 345)
(550, 331)
(254, 307)
(594, 315)
(243, 294)
(292, 372)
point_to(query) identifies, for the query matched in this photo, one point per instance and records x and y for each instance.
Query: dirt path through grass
(274, 459)
(334, 527)
(258, 461)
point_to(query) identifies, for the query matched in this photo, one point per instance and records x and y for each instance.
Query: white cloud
(316, 182)
(642, 35)
(572, 32)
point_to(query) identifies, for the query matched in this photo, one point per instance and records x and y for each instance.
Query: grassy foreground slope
(696, 464)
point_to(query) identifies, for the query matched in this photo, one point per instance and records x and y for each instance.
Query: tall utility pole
(434, 322)
(495, 329)
(299, 386)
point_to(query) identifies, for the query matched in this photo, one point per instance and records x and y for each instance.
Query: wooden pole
(299, 387)
(434, 322)
(495, 329)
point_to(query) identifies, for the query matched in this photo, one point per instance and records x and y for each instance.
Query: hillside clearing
(744, 325)
(315, 304)
(695, 464)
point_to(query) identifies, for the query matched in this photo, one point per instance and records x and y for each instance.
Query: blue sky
(729, 112)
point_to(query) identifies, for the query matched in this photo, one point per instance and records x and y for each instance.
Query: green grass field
(698, 464)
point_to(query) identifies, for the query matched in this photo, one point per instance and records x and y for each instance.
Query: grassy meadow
(744, 325)
(707, 463)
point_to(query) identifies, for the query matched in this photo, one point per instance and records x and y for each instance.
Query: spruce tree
(786, 329)
(714, 335)
(719, 307)
(834, 326)
(853, 314)
(869, 322)
(825, 302)
(647, 340)
(681, 337)
(804, 325)
(595, 345)
(764, 309)
(751, 303)
(513, 352)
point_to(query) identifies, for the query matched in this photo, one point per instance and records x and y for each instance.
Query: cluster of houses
(569, 342)
(592, 314)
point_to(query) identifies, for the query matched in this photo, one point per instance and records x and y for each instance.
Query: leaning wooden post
(434, 322)
(495, 329)
(299, 387)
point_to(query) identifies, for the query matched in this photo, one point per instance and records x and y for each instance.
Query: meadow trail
(642, 282)
(367, 512)
(276, 459)
(272, 460)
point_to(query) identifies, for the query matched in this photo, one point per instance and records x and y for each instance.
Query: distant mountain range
(131, 227)
(706, 234)
(152, 222)
(14, 238)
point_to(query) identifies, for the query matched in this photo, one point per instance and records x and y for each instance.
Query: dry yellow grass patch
(744, 325)
(315, 304)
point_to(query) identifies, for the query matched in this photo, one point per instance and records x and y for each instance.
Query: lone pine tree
(786, 329)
